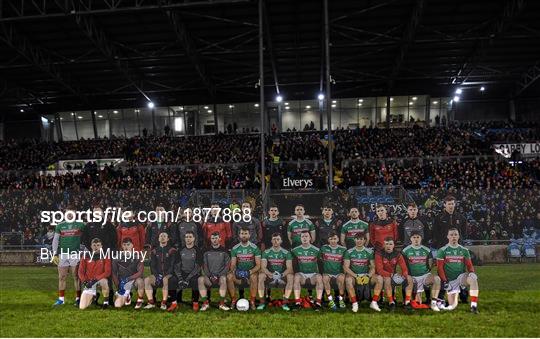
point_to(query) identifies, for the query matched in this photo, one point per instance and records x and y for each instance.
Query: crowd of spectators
(498, 198)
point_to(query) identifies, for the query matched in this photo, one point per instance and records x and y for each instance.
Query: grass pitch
(509, 306)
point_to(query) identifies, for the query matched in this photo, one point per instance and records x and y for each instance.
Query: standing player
(383, 227)
(187, 270)
(359, 265)
(419, 262)
(215, 224)
(307, 256)
(386, 262)
(93, 272)
(126, 274)
(298, 225)
(327, 224)
(161, 267)
(154, 229)
(353, 227)
(133, 230)
(245, 265)
(271, 225)
(254, 226)
(67, 238)
(276, 271)
(413, 223)
(186, 225)
(455, 270)
(216, 262)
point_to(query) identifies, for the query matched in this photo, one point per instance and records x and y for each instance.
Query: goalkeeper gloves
(55, 259)
(362, 279)
(182, 283)
(159, 279)
(241, 274)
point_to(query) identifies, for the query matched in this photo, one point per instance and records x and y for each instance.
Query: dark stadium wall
(528, 109)
(474, 110)
(22, 126)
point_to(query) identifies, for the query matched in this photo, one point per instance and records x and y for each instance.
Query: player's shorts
(193, 283)
(269, 282)
(127, 288)
(454, 286)
(67, 260)
(420, 282)
(308, 279)
(209, 284)
(403, 283)
(92, 290)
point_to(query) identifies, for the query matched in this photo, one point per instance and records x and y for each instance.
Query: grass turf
(509, 306)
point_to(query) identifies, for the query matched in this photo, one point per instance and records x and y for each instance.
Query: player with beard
(352, 227)
(245, 265)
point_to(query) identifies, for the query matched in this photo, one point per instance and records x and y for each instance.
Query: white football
(242, 305)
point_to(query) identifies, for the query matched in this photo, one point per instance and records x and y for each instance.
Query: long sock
(407, 299)
(353, 299)
(61, 294)
(375, 297)
(298, 301)
(194, 295)
(474, 301)
(179, 295)
(204, 299)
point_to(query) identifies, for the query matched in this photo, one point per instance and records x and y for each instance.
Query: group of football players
(342, 261)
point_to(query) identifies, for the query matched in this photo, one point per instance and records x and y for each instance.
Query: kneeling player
(455, 269)
(386, 262)
(93, 272)
(332, 256)
(245, 265)
(276, 271)
(161, 266)
(419, 262)
(126, 274)
(359, 265)
(307, 257)
(216, 262)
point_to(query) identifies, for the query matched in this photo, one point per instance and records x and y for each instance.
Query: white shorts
(307, 276)
(454, 286)
(92, 290)
(421, 282)
(127, 288)
(66, 260)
